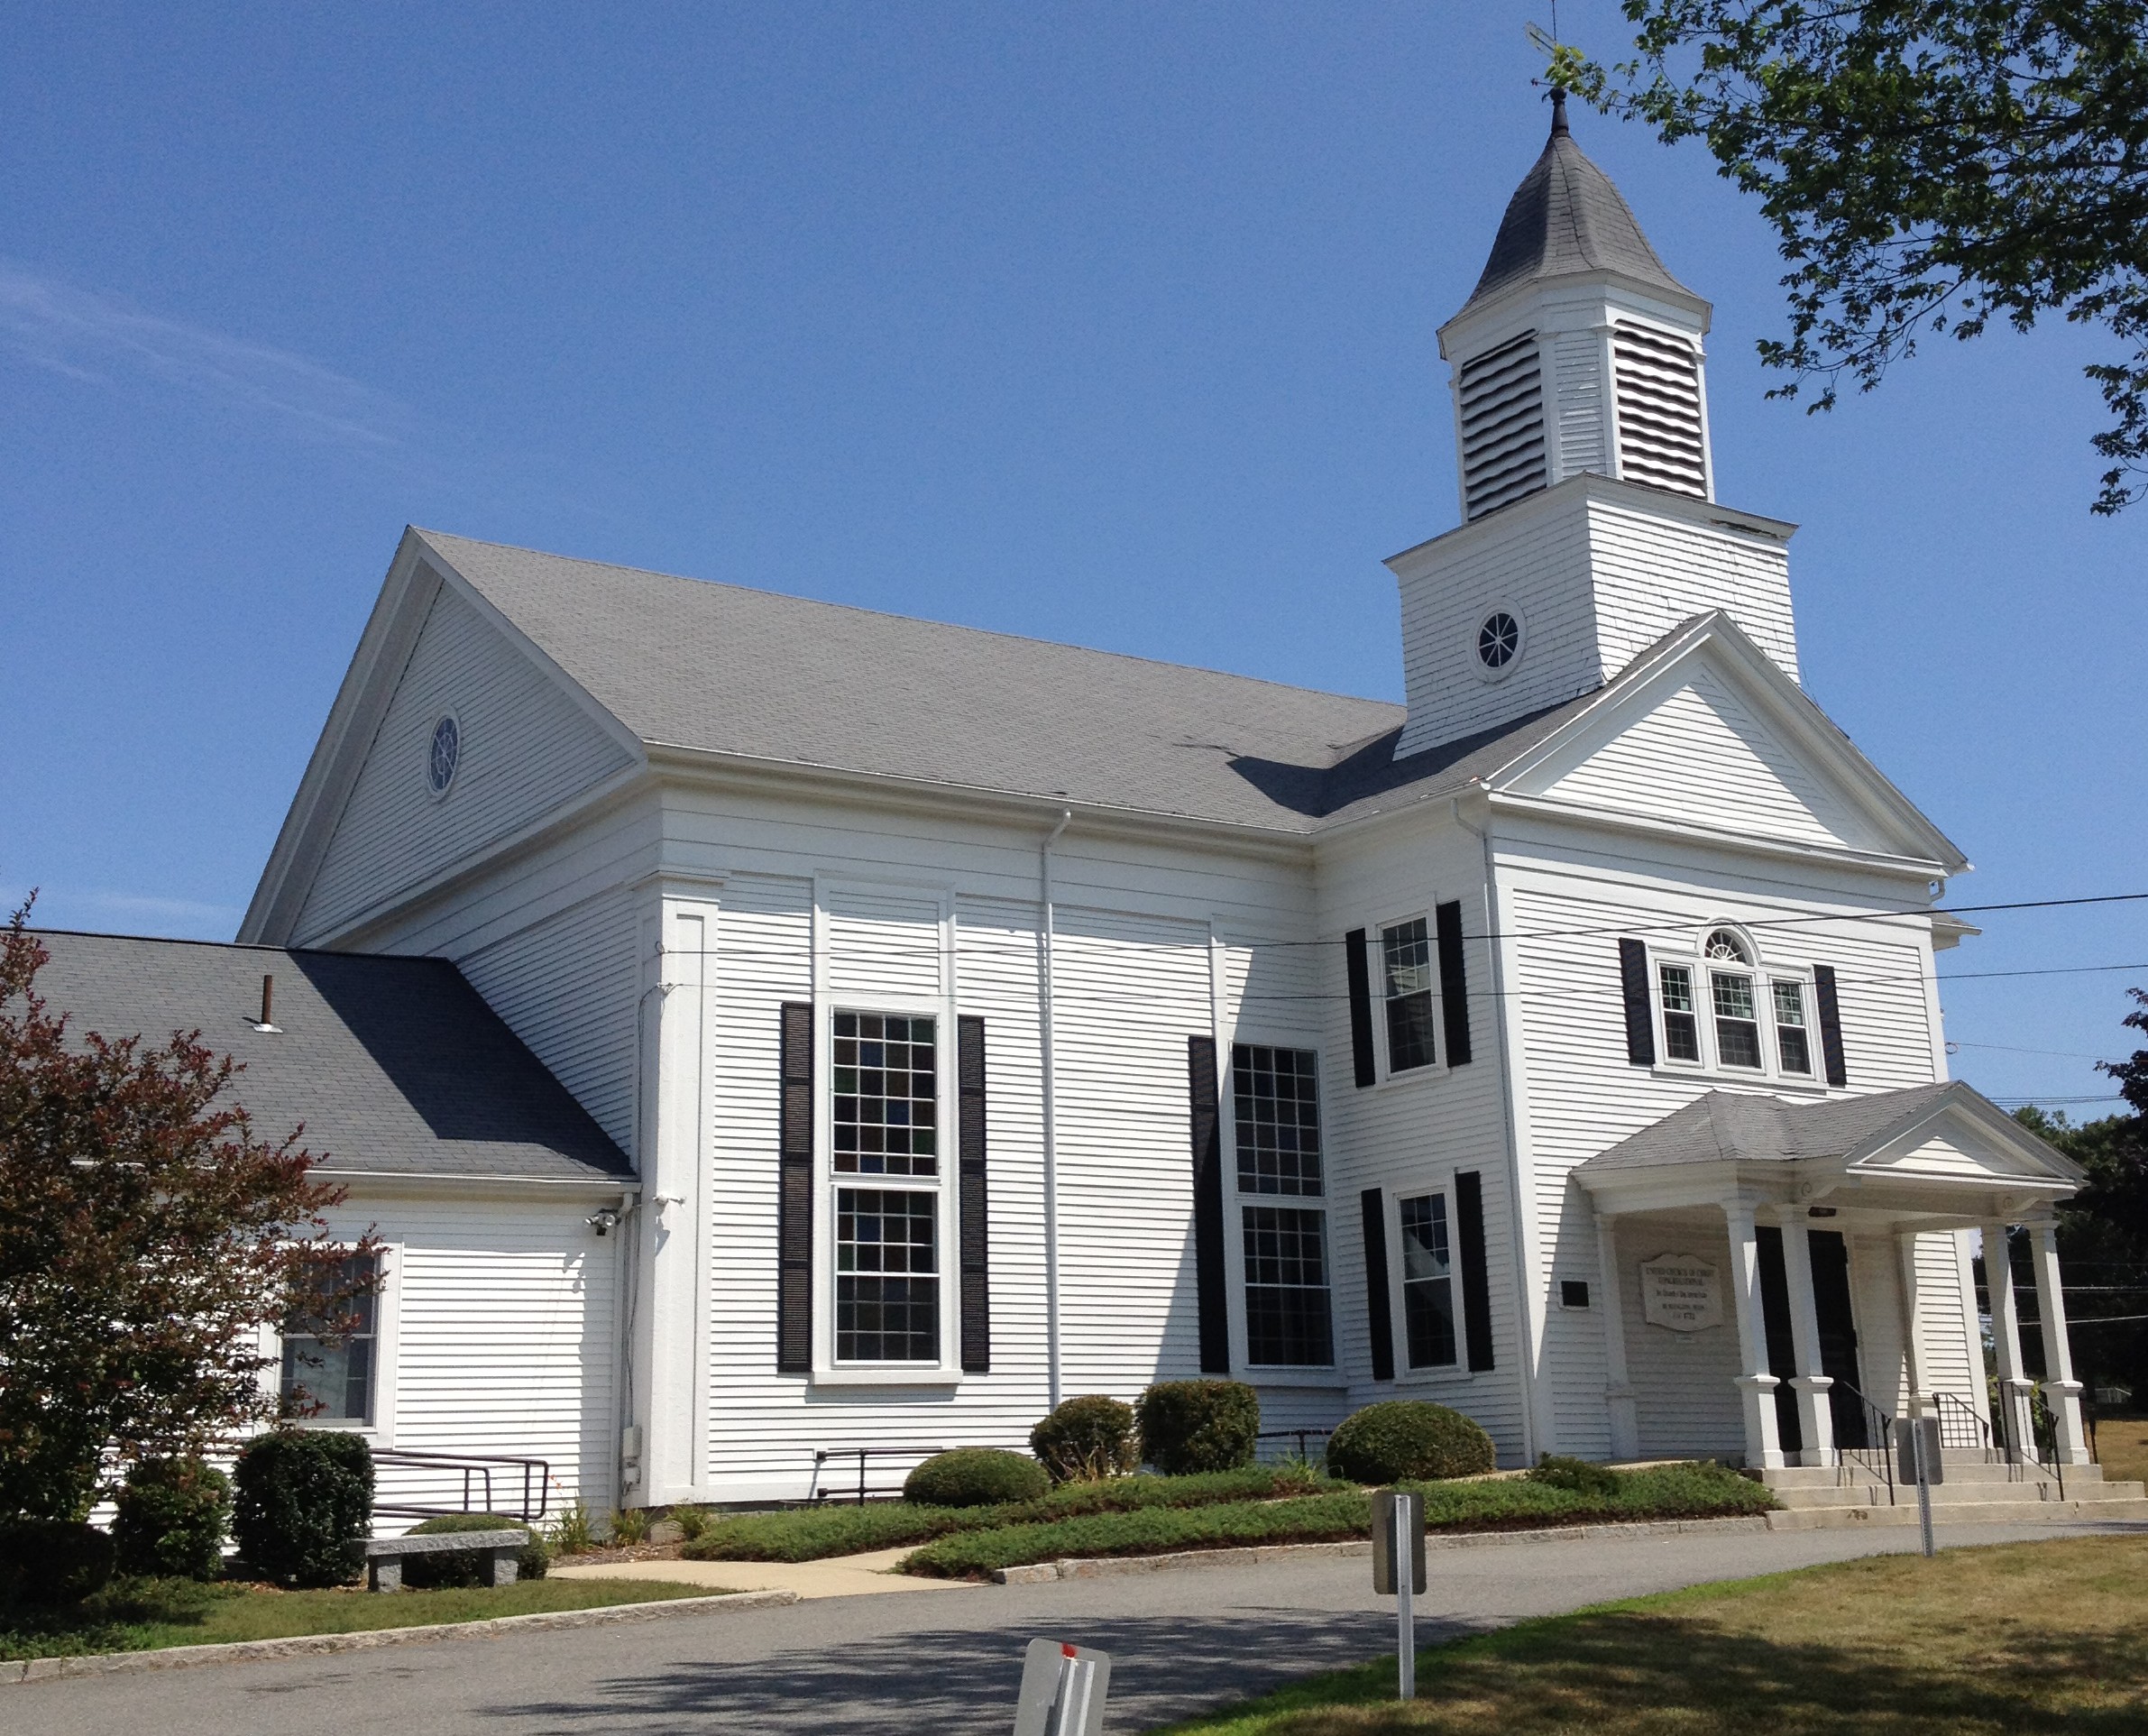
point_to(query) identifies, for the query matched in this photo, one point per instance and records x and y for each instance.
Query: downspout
(1051, 1347)
(1517, 1203)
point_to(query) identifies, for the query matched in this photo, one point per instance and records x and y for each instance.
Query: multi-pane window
(1681, 1024)
(886, 1095)
(1286, 1287)
(1275, 1097)
(1793, 1042)
(329, 1359)
(886, 1276)
(1406, 967)
(1731, 995)
(1427, 1282)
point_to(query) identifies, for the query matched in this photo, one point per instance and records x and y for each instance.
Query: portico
(1827, 1242)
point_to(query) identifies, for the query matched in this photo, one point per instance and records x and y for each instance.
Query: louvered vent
(1502, 427)
(1659, 410)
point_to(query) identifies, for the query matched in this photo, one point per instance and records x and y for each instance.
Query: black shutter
(969, 1197)
(794, 1197)
(1361, 1007)
(1378, 1316)
(1831, 1023)
(1640, 1016)
(1211, 1290)
(1476, 1284)
(1454, 983)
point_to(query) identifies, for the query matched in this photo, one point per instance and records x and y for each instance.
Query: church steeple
(1578, 350)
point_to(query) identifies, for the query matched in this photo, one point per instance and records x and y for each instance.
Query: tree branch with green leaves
(1929, 167)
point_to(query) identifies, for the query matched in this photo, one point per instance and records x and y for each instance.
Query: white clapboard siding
(882, 941)
(526, 747)
(1686, 1400)
(566, 985)
(1876, 1301)
(1652, 570)
(1578, 367)
(1700, 755)
(1128, 993)
(506, 1336)
(1947, 1361)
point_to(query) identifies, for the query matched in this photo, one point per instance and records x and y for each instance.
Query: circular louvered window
(444, 755)
(1499, 639)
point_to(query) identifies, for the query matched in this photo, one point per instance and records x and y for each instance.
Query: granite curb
(1107, 1567)
(238, 1651)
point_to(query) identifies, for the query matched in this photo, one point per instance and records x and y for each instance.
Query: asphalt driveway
(932, 1661)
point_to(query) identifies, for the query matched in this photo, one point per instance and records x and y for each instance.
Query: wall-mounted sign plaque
(1682, 1292)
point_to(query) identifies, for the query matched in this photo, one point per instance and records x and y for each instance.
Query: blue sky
(1107, 323)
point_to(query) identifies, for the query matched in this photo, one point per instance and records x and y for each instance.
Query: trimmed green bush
(1409, 1440)
(975, 1476)
(428, 1572)
(1581, 1475)
(1087, 1439)
(303, 1505)
(1193, 1426)
(50, 1563)
(172, 1519)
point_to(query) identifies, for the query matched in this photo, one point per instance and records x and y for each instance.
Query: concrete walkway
(850, 1575)
(947, 1664)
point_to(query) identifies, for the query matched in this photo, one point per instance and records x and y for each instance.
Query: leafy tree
(146, 1238)
(1929, 165)
(2103, 1230)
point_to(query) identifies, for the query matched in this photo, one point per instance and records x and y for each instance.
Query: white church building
(883, 1029)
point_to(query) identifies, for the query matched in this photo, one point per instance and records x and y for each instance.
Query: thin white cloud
(101, 338)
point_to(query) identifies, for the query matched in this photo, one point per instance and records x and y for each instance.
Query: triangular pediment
(1963, 1140)
(1706, 733)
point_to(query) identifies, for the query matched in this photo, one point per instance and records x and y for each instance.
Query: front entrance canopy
(1934, 1157)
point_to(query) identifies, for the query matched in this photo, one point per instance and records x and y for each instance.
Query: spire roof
(1566, 218)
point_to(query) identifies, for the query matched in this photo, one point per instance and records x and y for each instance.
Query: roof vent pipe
(267, 1021)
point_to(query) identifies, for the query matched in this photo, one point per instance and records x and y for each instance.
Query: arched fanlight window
(1726, 946)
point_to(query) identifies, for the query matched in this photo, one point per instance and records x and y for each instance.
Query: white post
(2061, 1389)
(1912, 1350)
(1815, 1414)
(2013, 1419)
(1763, 1446)
(1617, 1391)
(1405, 1608)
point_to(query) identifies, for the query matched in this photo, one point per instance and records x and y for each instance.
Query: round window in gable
(444, 755)
(1499, 640)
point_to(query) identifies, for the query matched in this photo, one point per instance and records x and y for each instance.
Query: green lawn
(143, 1614)
(2000, 1642)
(1508, 1503)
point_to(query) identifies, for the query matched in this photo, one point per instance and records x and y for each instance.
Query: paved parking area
(940, 1661)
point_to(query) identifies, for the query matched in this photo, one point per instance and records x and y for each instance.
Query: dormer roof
(1567, 219)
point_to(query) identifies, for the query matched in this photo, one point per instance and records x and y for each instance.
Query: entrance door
(1838, 1336)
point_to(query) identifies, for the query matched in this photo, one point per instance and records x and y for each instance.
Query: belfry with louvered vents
(1578, 351)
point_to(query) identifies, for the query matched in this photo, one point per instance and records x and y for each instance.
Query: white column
(1913, 1395)
(2061, 1391)
(1815, 1416)
(1617, 1391)
(1763, 1446)
(2012, 1423)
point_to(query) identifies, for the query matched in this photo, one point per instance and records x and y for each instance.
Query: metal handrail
(1878, 1455)
(1962, 1428)
(476, 1470)
(2041, 1447)
(1298, 1435)
(823, 1455)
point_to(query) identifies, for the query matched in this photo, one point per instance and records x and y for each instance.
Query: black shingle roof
(1567, 217)
(1743, 1126)
(394, 1065)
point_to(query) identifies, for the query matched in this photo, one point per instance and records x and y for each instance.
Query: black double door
(1838, 1336)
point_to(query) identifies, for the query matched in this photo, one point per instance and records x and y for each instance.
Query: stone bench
(385, 1556)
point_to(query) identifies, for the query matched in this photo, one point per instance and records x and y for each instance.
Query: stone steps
(1989, 1513)
(2041, 1492)
(1977, 1491)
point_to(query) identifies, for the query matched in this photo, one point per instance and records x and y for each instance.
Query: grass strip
(814, 1533)
(148, 1614)
(1977, 1642)
(1673, 1492)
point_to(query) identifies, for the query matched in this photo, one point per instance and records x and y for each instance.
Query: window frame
(1384, 1072)
(1398, 1282)
(1329, 1374)
(829, 1182)
(1763, 975)
(379, 1430)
